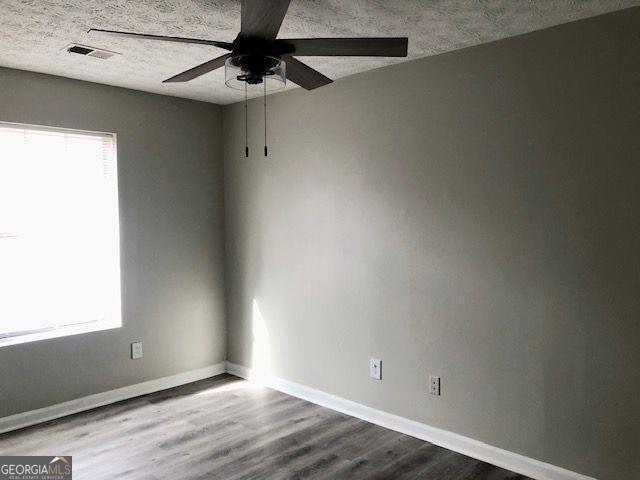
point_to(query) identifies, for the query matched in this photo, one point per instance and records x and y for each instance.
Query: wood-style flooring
(225, 428)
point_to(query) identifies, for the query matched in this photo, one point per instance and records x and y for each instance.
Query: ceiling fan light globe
(241, 71)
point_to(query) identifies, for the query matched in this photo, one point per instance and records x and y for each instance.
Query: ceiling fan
(257, 56)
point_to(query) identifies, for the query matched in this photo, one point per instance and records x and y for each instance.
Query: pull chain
(264, 84)
(246, 123)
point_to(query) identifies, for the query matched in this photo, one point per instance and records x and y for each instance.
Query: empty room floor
(227, 428)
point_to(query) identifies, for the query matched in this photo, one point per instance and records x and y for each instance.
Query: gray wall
(172, 241)
(473, 215)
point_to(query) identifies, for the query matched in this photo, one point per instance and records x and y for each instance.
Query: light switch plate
(136, 350)
(375, 368)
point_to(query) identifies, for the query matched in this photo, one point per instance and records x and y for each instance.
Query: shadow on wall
(260, 347)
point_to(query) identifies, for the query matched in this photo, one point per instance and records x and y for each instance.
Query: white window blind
(59, 236)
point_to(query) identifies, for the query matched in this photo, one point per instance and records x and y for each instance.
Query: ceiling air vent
(89, 51)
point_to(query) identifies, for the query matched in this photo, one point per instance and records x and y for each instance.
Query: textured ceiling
(33, 34)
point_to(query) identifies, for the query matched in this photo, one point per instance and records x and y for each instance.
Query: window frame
(28, 336)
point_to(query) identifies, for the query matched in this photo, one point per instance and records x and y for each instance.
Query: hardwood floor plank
(376, 459)
(408, 466)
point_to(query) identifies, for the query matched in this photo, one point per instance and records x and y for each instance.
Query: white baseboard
(25, 419)
(458, 443)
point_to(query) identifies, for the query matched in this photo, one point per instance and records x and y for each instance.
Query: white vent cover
(87, 51)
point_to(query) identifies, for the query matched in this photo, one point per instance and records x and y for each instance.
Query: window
(59, 236)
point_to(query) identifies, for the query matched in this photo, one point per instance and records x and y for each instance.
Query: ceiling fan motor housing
(252, 63)
(254, 60)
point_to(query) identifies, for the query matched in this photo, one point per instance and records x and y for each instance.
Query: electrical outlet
(434, 385)
(375, 368)
(136, 350)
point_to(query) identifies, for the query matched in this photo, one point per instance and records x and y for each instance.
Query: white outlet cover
(375, 368)
(136, 350)
(434, 385)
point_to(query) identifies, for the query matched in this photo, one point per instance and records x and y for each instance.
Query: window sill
(57, 333)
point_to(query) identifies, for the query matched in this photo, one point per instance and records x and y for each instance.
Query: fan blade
(364, 47)
(304, 75)
(144, 36)
(262, 18)
(199, 70)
